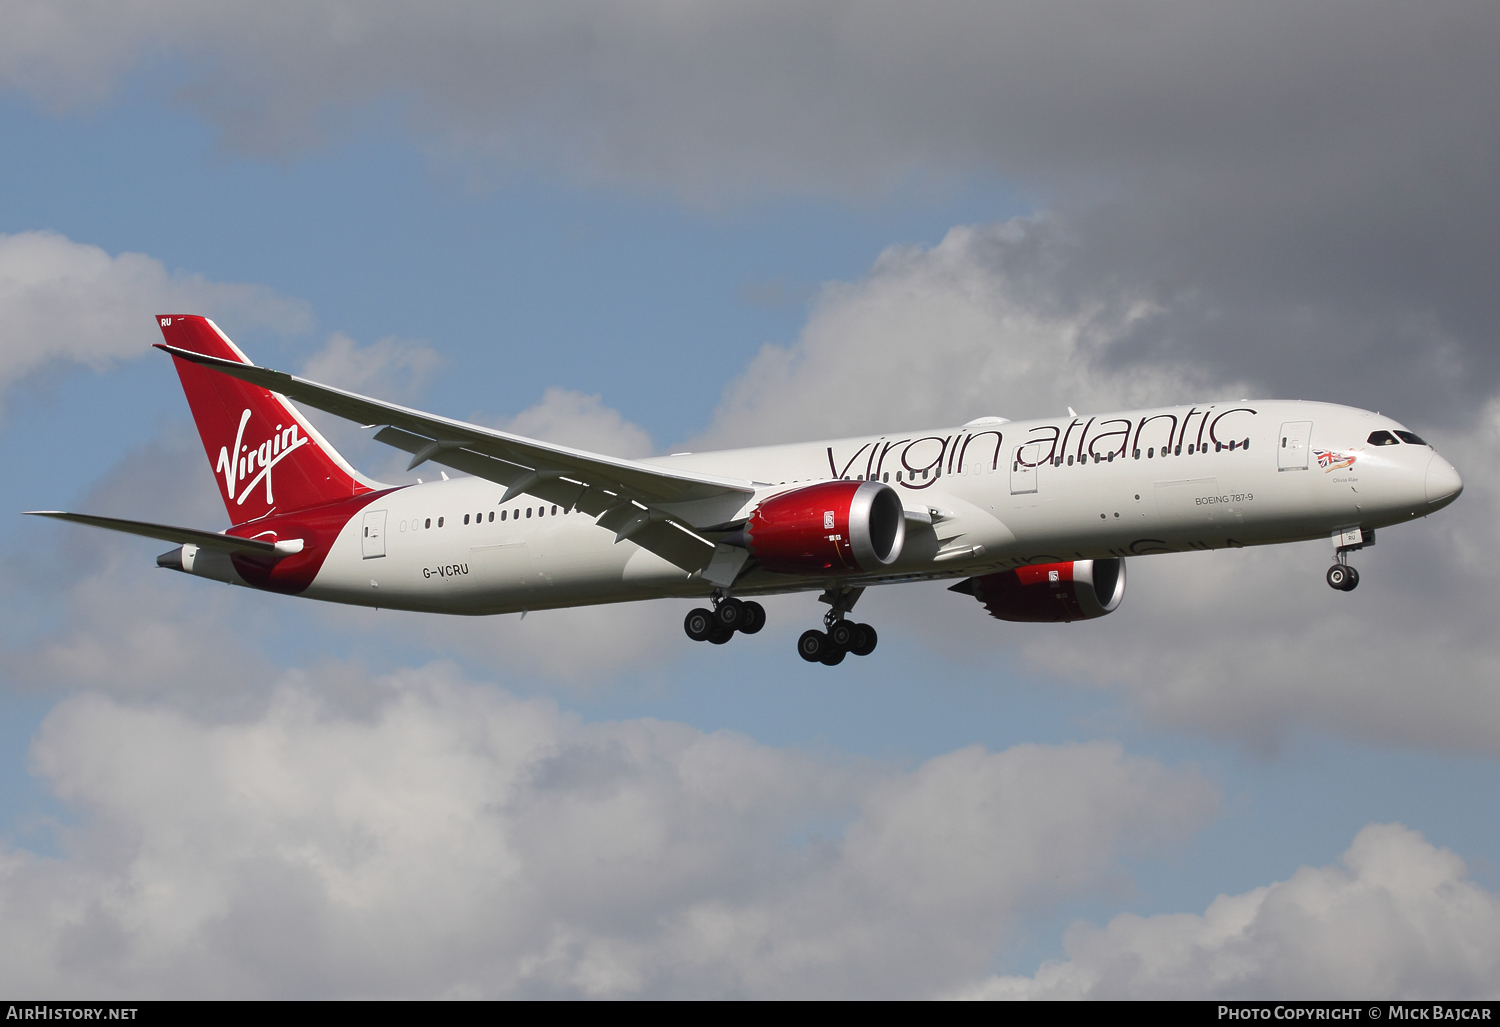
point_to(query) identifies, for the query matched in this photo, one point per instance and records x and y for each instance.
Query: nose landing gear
(728, 616)
(1341, 576)
(840, 637)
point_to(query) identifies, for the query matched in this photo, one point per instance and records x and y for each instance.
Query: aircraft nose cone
(1443, 482)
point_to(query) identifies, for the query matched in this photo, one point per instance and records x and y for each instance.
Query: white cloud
(575, 419)
(66, 301)
(85, 608)
(443, 839)
(1399, 919)
(391, 369)
(976, 325)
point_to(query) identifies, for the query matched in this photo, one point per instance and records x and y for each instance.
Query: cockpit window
(1382, 438)
(1412, 437)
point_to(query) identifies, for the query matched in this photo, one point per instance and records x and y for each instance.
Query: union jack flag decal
(1333, 461)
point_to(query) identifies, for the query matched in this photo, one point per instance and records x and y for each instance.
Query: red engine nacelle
(837, 527)
(1050, 592)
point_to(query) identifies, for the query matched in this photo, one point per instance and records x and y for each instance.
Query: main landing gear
(728, 616)
(829, 647)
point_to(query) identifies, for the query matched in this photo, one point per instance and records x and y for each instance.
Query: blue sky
(981, 266)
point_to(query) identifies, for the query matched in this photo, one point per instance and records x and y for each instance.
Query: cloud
(571, 418)
(782, 93)
(1306, 196)
(446, 839)
(1399, 919)
(982, 323)
(63, 301)
(86, 608)
(391, 369)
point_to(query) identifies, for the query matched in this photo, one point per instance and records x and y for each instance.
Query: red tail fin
(265, 455)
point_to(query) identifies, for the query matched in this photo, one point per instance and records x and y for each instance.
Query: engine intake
(1051, 592)
(838, 527)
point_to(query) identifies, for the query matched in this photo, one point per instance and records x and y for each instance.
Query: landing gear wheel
(731, 614)
(721, 635)
(832, 658)
(699, 624)
(842, 635)
(864, 640)
(755, 618)
(812, 645)
(1343, 577)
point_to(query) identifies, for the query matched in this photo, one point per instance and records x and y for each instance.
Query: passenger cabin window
(440, 522)
(1382, 438)
(466, 518)
(427, 523)
(1406, 436)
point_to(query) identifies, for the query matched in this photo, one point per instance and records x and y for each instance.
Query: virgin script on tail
(265, 456)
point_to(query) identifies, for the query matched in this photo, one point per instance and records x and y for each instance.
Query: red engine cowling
(835, 527)
(1051, 592)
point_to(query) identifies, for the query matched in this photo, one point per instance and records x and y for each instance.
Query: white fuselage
(981, 498)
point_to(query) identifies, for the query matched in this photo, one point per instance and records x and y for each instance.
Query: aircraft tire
(755, 617)
(721, 635)
(865, 639)
(833, 657)
(843, 635)
(731, 614)
(812, 645)
(1338, 577)
(1353, 582)
(699, 624)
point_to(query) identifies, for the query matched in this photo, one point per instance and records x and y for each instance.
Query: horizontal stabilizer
(167, 533)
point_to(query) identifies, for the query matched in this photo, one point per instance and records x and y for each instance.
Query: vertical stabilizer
(265, 455)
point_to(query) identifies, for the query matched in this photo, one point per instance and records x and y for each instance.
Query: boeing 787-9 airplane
(1035, 519)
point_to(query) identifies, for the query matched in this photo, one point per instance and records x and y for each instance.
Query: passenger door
(373, 542)
(1023, 468)
(1292, 449)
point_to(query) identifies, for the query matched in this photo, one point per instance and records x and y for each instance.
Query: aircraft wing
(625, 496)
(167, 533)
